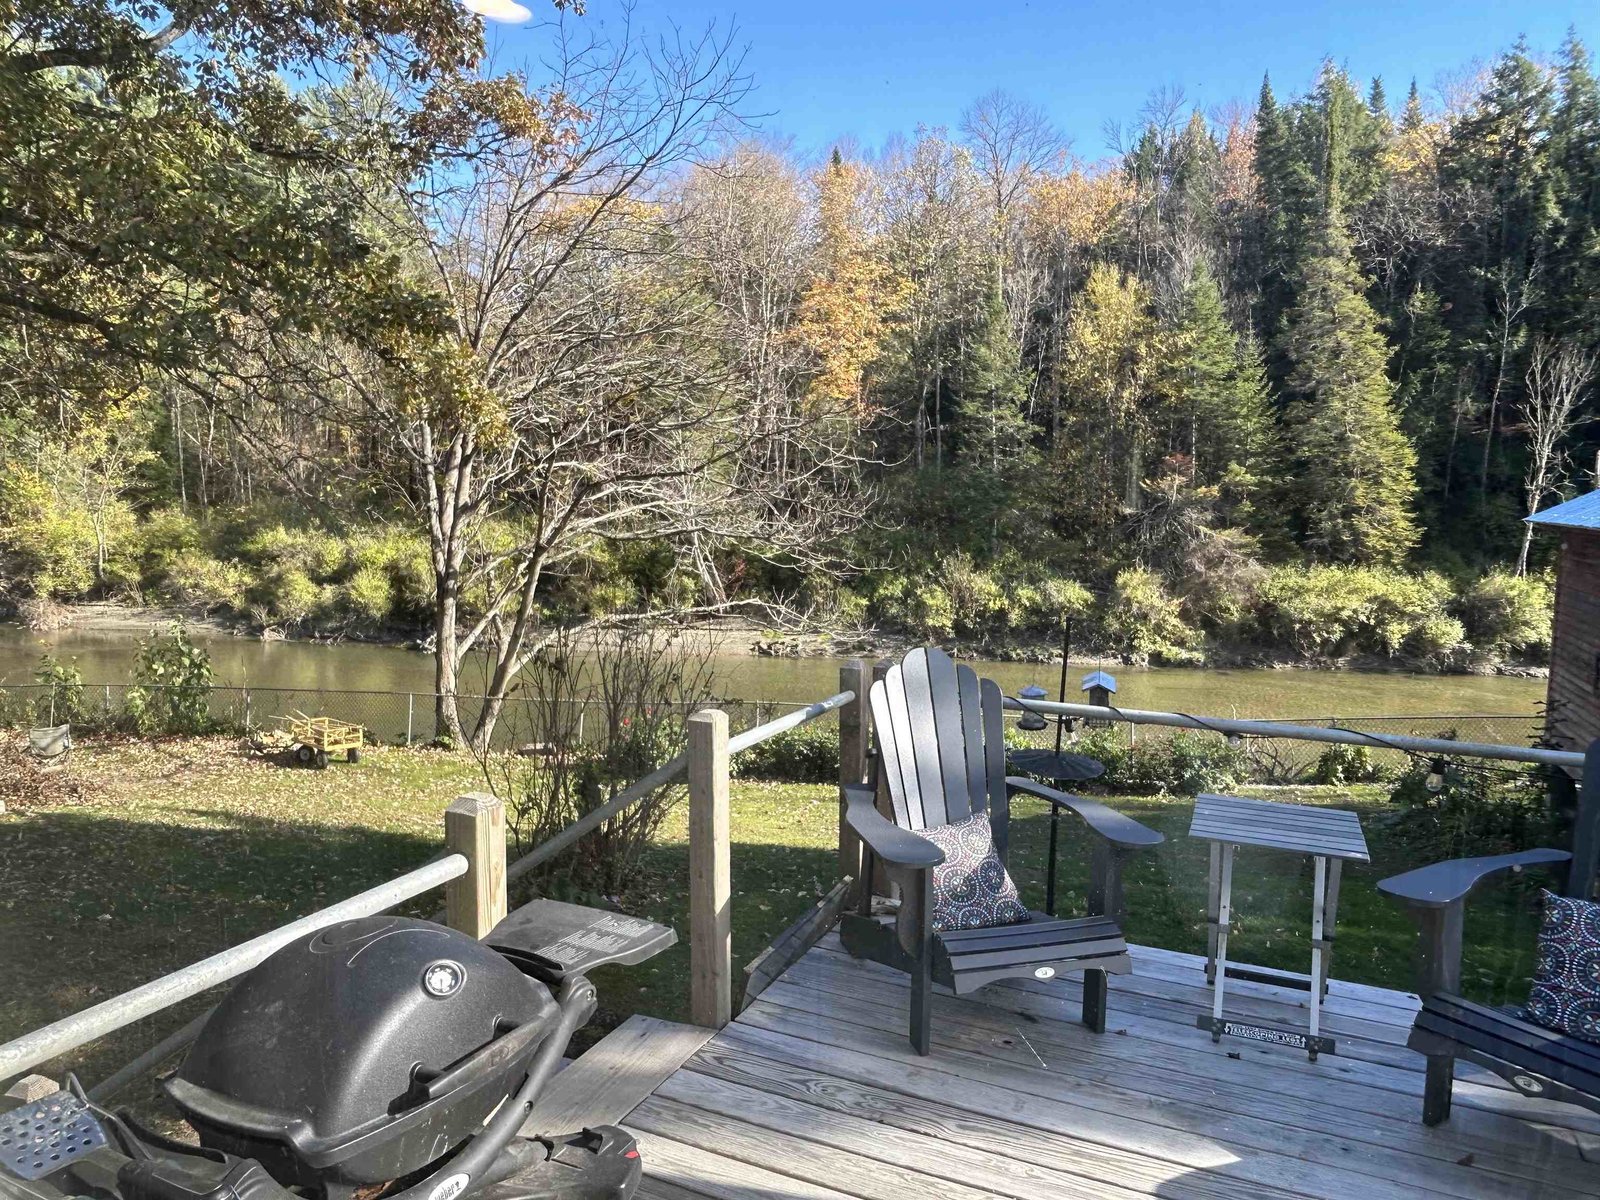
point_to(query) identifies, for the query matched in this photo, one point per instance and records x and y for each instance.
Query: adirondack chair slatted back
(941, 742)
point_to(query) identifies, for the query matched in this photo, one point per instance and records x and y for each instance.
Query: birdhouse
(1031, 721)
(1100, 686)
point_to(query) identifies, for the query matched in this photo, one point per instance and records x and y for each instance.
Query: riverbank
(742, 638)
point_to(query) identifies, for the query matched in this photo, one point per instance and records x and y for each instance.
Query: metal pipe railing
(792, 720)
(666, 773)
(41, 1045)
(1305, 733)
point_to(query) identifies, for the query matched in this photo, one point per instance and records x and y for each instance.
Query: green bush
(809, 754)
(1146, 623)
(1184, 764)
(370, 595)
(162, 539)
(1331, 611)
(1478, 811)
(46, 545)
(287, 596)
(63, 702)
(197, 581)
(1506, 614)
(1340, 765)
(920, 607)
(172, 682)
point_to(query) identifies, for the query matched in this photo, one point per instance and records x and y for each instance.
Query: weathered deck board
(610, 1080)
(814, 1093)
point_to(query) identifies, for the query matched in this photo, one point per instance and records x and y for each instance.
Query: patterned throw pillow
(971, 889)
(1566, 981)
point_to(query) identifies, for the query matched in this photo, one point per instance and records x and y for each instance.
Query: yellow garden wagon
(315, 739)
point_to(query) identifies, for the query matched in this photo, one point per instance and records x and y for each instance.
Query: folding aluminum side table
(1330, 836)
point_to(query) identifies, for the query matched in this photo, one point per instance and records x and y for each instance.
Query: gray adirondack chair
(940, 753)
(1536, 1061)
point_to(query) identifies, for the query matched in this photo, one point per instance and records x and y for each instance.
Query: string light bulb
(1435, 778)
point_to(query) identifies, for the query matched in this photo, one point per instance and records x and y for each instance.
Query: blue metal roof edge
(1582, 512)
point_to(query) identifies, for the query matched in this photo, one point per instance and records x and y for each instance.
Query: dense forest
(309, 320)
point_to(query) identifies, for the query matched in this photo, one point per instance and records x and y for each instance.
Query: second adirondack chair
(940, 753)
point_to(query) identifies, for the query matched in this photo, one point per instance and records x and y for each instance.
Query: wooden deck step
(619, 1071)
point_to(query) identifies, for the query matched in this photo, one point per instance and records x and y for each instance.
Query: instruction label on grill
(608, 936)
(578, 938)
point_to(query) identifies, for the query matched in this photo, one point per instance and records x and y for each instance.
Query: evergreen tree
(992, 426)
(1378, 101)
(1286, 198)
(1218, 389)
(1345, 144)
(1349, 474)
(1575, 155)
(1502, 150)
(1411, 117)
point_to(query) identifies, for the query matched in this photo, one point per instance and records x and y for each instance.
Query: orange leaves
(1078, 209)
(848, 310)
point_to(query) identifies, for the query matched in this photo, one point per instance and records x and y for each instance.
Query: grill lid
(356, 1034)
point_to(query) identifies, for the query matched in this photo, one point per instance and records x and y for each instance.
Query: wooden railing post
(852, 762)
(475, 826)
(710, 916)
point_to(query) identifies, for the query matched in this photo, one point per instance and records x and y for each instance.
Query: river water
(106, 656)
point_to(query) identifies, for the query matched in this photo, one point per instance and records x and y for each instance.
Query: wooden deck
(814, 1093)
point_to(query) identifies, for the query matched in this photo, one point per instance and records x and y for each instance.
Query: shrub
(809, 754)
(1329, 611)
(1145, 622)
(918, 606)
(1340, 765)
(46, 545)
(370, 595)
(1478, 810)
(63, 702)
(288, 596)
(196, 580)
(1506, 614)
(976, 602)
(316, 554)
(404, 559)
(1184, 764)
(163, 538)
(172, 682)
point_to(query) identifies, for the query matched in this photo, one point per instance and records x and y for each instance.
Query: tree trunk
(446, 711)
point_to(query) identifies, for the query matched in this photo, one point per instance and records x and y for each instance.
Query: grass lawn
(178, 849)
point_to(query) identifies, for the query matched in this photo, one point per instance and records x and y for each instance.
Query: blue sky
(866, 69)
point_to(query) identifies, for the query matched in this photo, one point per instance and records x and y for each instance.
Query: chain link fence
(392, 718)
(1289, 760)
(408, 718)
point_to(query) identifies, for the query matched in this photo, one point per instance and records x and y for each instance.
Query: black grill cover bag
(362, 1052)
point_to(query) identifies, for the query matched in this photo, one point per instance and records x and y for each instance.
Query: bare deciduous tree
(1558, 374)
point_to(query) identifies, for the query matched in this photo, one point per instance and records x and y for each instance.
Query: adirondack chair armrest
(1443, 883)
(1436, 898)
(1120, 831)
(896, 846)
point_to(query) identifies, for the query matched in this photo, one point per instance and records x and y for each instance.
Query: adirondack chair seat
(967, 959)
(939, 754)
(1534, 1060)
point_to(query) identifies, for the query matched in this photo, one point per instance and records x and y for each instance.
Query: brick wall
(1574, 696)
